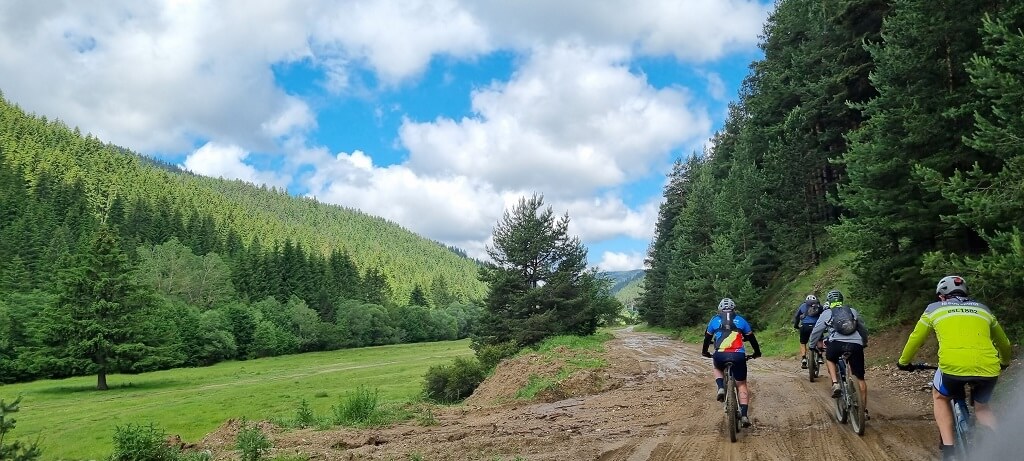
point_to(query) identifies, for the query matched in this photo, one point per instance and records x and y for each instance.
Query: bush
(304, 416)
(136, 443)
(453, 383)
(252, 442)
(490, 355)
(357, 407)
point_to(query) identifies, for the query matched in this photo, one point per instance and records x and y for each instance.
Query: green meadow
(74, 421)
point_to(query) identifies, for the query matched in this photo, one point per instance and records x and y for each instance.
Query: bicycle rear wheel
(732, 408)
(856, 410)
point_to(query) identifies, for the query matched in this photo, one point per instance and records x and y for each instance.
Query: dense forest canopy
(112, 262)
(887, 130)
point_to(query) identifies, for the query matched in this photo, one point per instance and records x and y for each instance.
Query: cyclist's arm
(707, 342)
(796, 317)
(917, 337)
(819, 328)
(862, 329)
(1002, 344)
(753, 343)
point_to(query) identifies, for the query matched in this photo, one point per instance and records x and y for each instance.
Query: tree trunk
(101, 380)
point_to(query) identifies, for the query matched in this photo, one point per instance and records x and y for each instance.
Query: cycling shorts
(834, 349)
(953, 386)
(739, 363)
(805, 332)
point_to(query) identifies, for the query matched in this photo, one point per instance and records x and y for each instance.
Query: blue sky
(435, 114)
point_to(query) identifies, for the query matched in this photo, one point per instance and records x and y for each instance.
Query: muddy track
(661, 407)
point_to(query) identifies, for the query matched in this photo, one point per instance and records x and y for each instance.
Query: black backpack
(813, 310)
(727, 320)
(843, 321)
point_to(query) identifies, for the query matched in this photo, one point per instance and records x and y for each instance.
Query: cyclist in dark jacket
(836, 343)
(804, 318)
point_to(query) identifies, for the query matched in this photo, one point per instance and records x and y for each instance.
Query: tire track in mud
(792, 417)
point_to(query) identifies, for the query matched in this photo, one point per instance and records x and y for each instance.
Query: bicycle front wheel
(856, 406)
(732, 409)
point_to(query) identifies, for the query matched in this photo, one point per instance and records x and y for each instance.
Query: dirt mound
(559, 378)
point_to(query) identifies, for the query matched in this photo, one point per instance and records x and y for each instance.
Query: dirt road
(658, 405)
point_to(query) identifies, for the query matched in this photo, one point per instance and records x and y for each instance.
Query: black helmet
(834, 296)
(951, 285)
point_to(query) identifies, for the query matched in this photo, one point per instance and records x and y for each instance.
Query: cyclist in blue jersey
(727, 330)
(804, 318)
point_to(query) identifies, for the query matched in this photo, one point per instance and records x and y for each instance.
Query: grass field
(74, 421)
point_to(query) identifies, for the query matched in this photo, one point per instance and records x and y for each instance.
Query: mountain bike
(732, 402)
(963, 418)
(849, 404)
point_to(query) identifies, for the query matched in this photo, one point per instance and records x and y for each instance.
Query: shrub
(136, 443)
(304, 416)
(453, 383)
(490, 354)
(357, 407)
(252, 442)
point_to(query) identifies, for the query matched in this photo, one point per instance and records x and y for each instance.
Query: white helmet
(950, 285)
(811, 299)
(726, 305)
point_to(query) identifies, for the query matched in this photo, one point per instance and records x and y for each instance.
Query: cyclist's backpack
(813, 310)
(843, 321)
(727, 320)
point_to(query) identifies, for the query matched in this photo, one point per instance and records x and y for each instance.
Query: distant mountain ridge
(623, 278)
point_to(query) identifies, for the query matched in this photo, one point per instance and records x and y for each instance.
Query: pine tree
(17, 450)
(539, 285)
(418, 297)
(918, 120)
(100, 322)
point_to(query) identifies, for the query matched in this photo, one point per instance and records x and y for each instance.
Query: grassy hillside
(37, 146)
(73, 421)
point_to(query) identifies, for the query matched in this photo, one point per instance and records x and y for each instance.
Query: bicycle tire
(732, 408)
(856, 405)
(839, 402)
(812, 366)
(961, 428)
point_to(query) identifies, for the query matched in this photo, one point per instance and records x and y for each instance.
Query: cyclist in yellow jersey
(972, 349)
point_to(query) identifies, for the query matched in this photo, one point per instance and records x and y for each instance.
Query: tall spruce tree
(539, 284)
(651, 305)
(918, 120)
(990, 200)
(101, 322)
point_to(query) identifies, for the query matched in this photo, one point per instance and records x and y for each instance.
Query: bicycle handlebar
(922, 366)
